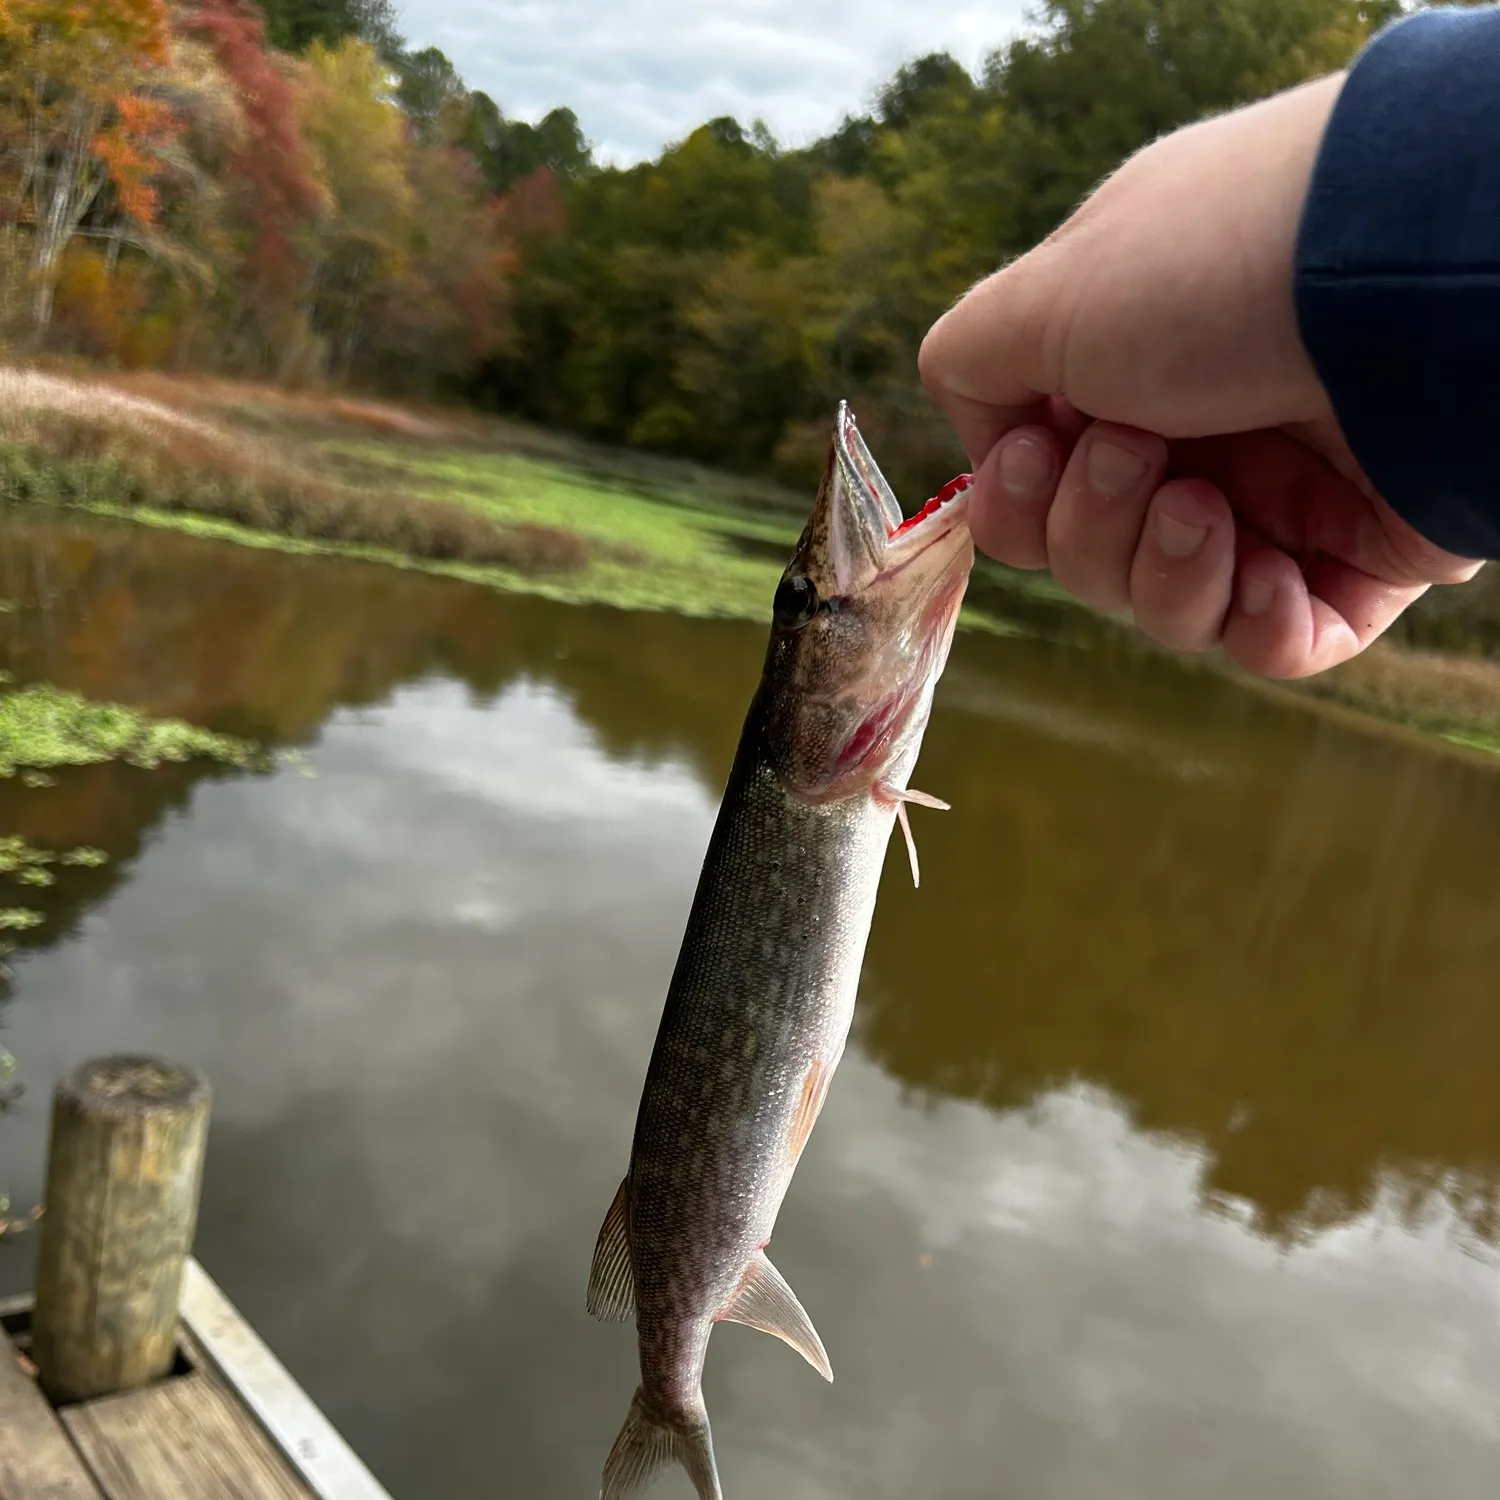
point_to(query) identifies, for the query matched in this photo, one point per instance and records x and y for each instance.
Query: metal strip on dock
(327, 1464)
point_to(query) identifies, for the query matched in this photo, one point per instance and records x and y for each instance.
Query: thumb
(985, 360)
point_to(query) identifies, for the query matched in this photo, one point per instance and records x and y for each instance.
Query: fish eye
(796, 601)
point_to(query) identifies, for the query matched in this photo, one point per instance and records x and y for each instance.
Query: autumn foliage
(175, 190)
(267, 164)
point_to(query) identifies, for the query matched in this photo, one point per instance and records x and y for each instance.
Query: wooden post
(123, 1173)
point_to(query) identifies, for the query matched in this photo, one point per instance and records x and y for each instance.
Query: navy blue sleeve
(1398, 272)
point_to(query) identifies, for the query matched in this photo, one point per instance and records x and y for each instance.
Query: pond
(1162, 1162)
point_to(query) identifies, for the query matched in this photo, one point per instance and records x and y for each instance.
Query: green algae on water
(27, 865)
(42, 727)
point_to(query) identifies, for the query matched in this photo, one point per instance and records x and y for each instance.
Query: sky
(641, 73)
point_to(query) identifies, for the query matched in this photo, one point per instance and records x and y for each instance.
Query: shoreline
(574, 522)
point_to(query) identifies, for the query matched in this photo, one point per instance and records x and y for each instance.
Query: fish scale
(761, 999)
(710, 1160)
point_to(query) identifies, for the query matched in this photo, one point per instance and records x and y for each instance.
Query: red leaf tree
(273, 185)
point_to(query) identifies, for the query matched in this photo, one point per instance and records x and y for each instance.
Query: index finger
(981, 362)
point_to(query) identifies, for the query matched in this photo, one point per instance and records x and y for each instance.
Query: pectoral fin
(901, 795)
(922, 799)
(766, 1302)
(611, 1278)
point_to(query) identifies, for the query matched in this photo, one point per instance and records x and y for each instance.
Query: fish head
(862, 621)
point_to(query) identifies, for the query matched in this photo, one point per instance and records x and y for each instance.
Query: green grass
(646, 552)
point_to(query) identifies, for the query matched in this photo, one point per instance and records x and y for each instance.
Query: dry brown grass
(81, 440)
(1424, 687)
(267, 405)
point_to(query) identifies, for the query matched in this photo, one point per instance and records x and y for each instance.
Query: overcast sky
(640, 73)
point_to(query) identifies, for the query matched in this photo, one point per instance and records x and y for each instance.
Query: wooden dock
(219, 1418)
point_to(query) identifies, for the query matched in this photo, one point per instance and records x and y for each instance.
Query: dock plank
(37, 1462)
(184, 1439)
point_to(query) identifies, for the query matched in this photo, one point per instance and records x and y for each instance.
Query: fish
(761, 998)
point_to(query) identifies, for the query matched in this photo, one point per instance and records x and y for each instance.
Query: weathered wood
(37, 1461)
(123, 1175)
(219, 1342)
(182, 1439)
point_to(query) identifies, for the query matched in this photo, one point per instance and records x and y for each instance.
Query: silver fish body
(762, 996)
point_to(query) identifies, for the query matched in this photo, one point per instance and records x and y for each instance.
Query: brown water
(1163, 1163)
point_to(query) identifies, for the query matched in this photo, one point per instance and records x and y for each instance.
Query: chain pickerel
(762, 996)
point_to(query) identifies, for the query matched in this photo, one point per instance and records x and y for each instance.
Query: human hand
(1143, 419)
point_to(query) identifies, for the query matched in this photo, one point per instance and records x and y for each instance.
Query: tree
(931, 84)
(510, 150)
(442, 306)
(609, 300)
(356, 210)
(1108, 76)
(357, 137)
(432, 94)
(270, 187)
(294, 25)
(83, 132)
(412, 253)
(719, 300)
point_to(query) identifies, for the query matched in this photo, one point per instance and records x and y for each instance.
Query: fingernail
(1256, 596)
(1025, 468)
(1179, 539)
(1114, 471)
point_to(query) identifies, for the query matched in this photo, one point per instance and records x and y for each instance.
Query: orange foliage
(128, 147)
(139, 29)
(77, 114)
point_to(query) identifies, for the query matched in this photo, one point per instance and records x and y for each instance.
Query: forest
(291, 193)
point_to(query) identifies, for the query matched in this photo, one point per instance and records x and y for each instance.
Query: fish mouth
(919, 566)
(870, 533)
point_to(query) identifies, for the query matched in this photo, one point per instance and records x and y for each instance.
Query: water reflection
(1163, 1166)
(1287, 953)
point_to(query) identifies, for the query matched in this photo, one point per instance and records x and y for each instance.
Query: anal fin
(766, 1302)
(611, 1277)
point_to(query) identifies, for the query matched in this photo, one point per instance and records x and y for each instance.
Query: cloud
(641, 73)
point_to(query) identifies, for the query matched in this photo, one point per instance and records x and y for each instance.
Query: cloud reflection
(425, 984)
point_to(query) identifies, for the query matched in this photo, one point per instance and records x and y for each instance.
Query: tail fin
(646, 1445)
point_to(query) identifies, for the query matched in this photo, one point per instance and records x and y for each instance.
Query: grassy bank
(516, 508)
(437, 492)
(450, 493)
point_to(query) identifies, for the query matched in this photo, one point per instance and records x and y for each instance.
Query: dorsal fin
(766, 1302)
